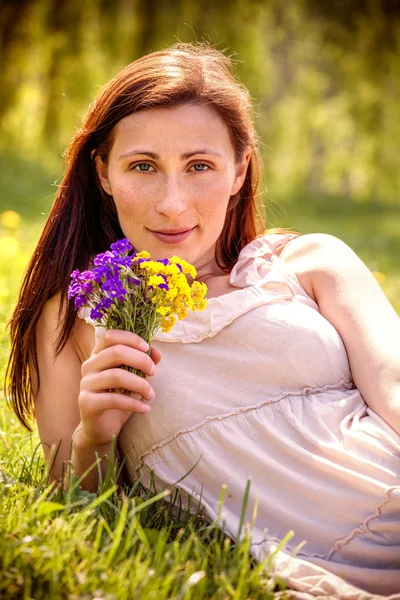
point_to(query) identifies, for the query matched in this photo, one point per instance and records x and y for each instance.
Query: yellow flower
(162, 310)
(187, 268)
(201, 306)
(150, 266)
(171, 294)
(173, 303)
(182, 313)
(168, 323)
(198, 289)
(142, 254)
(198, 292)
(10, 219)
(169, 269)
(155, 280)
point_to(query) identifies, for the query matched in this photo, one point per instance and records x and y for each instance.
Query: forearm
(391, 412)
(84, 456)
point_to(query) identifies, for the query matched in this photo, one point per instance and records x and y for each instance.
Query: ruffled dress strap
(255, 265)
(260, 280)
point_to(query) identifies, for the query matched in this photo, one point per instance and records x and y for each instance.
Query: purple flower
(74, 289)
(164, 286)
(75, 274)
(81, 277)
(121, 246)
(124, 261)
(87, 287)
(102, 271)
(95, 314)
(81, 283)
(86, 276)
(134, 280)
(104, 259)
(105, 303)
(114, 288)
(108, 265)
(79, 302)
(112, 271)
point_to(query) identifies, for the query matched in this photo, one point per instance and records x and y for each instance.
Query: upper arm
(351, 299)
(56, 401)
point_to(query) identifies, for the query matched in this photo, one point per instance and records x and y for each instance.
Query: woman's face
(169, 170)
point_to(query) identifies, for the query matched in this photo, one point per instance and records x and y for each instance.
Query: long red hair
(83, 220)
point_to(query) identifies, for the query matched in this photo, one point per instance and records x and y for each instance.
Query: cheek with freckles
(213, 215)
(131, 204)
(215, 207)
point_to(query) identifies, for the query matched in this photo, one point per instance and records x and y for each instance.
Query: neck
(208, 268)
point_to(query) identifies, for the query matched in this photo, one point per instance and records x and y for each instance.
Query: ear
(241, 170)
(102, 174)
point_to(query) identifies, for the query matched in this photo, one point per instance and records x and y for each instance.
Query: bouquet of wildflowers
(135, 293)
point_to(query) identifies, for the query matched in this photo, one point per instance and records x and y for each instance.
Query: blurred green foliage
(324, 78)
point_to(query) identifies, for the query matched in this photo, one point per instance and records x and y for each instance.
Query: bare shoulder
(315, 253)
(313, 247)
(82, 338)
(50, 321)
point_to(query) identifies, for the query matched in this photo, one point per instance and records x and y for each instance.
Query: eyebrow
(156, 156)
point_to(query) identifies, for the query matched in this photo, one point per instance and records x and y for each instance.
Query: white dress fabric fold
(258, 386)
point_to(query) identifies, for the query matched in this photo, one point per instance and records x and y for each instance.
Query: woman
(290, 376)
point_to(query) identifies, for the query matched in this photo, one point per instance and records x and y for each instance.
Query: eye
(201, 165)
(142, 167)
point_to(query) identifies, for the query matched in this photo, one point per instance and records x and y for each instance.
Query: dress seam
(364, 526)
(243, 409)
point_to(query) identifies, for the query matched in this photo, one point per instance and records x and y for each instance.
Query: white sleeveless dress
(258, 385)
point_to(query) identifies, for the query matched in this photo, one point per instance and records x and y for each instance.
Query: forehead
(173, 129)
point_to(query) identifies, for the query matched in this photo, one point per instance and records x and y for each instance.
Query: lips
(173, 236)
(173, 231)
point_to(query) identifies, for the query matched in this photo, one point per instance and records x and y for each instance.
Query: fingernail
(151, 395)
(145, 408)
(144, 346)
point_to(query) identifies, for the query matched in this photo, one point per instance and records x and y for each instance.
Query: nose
(173, 200)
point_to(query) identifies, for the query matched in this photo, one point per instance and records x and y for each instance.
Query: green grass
(115, 544)
(129, 543)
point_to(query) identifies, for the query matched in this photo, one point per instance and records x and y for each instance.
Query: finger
(117, 378)
(95, 404)
(117, 355)
(155, 355)
(119, 336)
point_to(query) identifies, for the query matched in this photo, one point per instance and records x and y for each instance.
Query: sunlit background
(324, 77)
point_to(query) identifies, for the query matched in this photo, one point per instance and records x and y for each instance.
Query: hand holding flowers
(134, 293)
